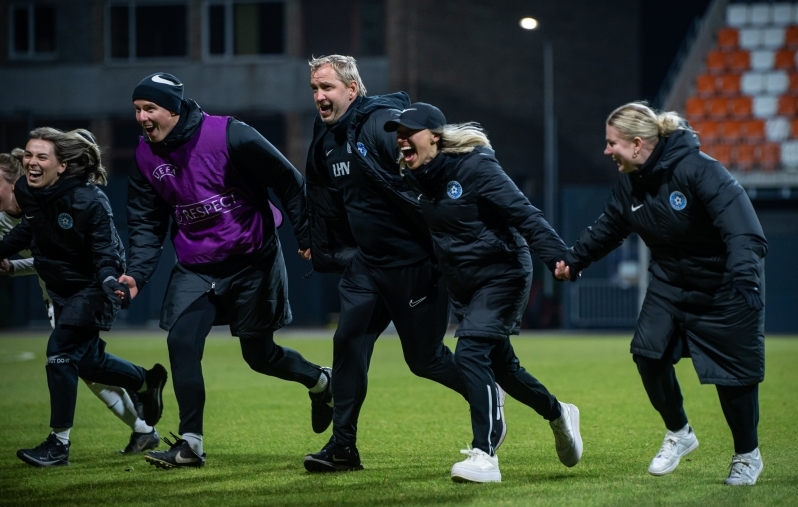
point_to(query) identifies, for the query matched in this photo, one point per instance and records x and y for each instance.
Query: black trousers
(740, 404)
(415, 299)
(186, 343)
(74, 352)
(485, 362)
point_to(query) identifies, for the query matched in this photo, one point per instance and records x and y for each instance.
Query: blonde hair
(637, 119)
(79, 149)
(457, 138)
(11, 165)
(345, 68)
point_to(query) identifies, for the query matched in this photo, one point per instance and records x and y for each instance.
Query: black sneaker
(321, 405)
(152, 398)
(333, 458)
(179, 454)
(140, 442)
(50, 453)
(134, 397)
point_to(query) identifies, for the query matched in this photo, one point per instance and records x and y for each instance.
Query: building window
(32, 31)
(146, 30)
(244, 28)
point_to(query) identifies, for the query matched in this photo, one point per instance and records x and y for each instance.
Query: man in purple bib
(210, 175)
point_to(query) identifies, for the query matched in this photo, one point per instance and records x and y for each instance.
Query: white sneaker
(745, 469)
(479, 466)
(502, 396)
(671, 452)
(567, 438)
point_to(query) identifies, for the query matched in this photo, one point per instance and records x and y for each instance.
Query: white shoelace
(667, 448)
(739, 466)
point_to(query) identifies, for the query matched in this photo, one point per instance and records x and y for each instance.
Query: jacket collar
(670, 151)
(48, 194)
(191, 117)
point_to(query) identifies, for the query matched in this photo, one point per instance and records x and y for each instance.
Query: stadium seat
(744, 156)
(728, 38)
(720, 152)
(765, 106)
(754, 130)
(718, 107)
(760, 14)
(731, 131)
(784, 60)
(750, 38)
(794, 129)
(778, 129)
(782, 14)
(787, 106)
(752, 83)
(769, 156)
(737, 15)
(741, 107)
(759, 60)
(773, 37)
(730, 84)
(793, 82)
(716, 62)
(789, 154)
(776, 82)
(791, 37)
(707, 130)
(705, 85)
(695, 109)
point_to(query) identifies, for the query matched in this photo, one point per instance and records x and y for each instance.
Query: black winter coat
(482, 226)
(332, 242)
(696, 219)
(69, 229)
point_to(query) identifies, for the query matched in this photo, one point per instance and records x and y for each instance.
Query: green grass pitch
(257, 430)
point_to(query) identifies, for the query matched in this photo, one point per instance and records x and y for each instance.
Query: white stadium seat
(782, 14)
(750, 38)
(777, 129)
(763, 59)
(737, 15)
(752, 83)
(773, 38)
(765, 106)
(760, 14)
(776, 82)
(789, 154)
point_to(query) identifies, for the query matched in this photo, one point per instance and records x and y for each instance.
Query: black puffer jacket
(696, 219)
(70, 231)
(481, 224)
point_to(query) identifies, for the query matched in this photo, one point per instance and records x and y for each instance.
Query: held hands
(305, 254)
(130, 282)
(6, 267)
(113, 288)
(562, 271)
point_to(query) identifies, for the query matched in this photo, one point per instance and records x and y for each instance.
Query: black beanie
(161, 88)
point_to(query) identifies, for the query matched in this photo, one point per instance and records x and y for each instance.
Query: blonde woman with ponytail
(483, 229)
(706, 296)
(66, 223)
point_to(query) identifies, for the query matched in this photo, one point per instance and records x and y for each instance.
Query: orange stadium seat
(787, 105)
(728, 38)
(696, 108)
(741, 107)
(754, 130)
(769, 156)
(791, 37)
(730, 84)
(707, 130)
(793, 83)
(718, 107)
(716, 62)
(705, 84)
(745, 156)
(785, 59)
(739, 61)
(731, 131)
(722, 153)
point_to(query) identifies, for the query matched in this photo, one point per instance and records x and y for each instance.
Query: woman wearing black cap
(483, 227)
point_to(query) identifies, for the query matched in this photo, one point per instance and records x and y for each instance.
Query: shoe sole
(478, 477)
(676, 463)
(152, 419)
(41, 464)
(159, 463)
(318, 466)
(578, 447)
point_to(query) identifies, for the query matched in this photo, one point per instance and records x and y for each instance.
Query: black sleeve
(147, 223)
(504, 196)
(17, 239)
(604, 236)
(733, 214)
(104, 239)
(261, 162)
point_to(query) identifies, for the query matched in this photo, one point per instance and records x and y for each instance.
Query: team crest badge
(361, 149)
(65, 221)
(678, 201)
(454, 190)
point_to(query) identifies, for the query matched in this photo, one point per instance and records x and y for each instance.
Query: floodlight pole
(549, 151)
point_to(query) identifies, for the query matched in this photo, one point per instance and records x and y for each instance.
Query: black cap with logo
(418, 116)
(161, 88)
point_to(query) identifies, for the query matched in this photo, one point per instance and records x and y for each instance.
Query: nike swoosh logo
(26, 216)
(181, 459)
(416, 302)
(635, 208)
(328, 153)
(159, 79)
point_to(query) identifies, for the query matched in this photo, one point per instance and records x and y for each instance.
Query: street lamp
(549, 139)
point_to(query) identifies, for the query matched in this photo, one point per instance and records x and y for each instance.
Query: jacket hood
(54, 191)
(398, 100)
(670, 150)
(190, 120)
